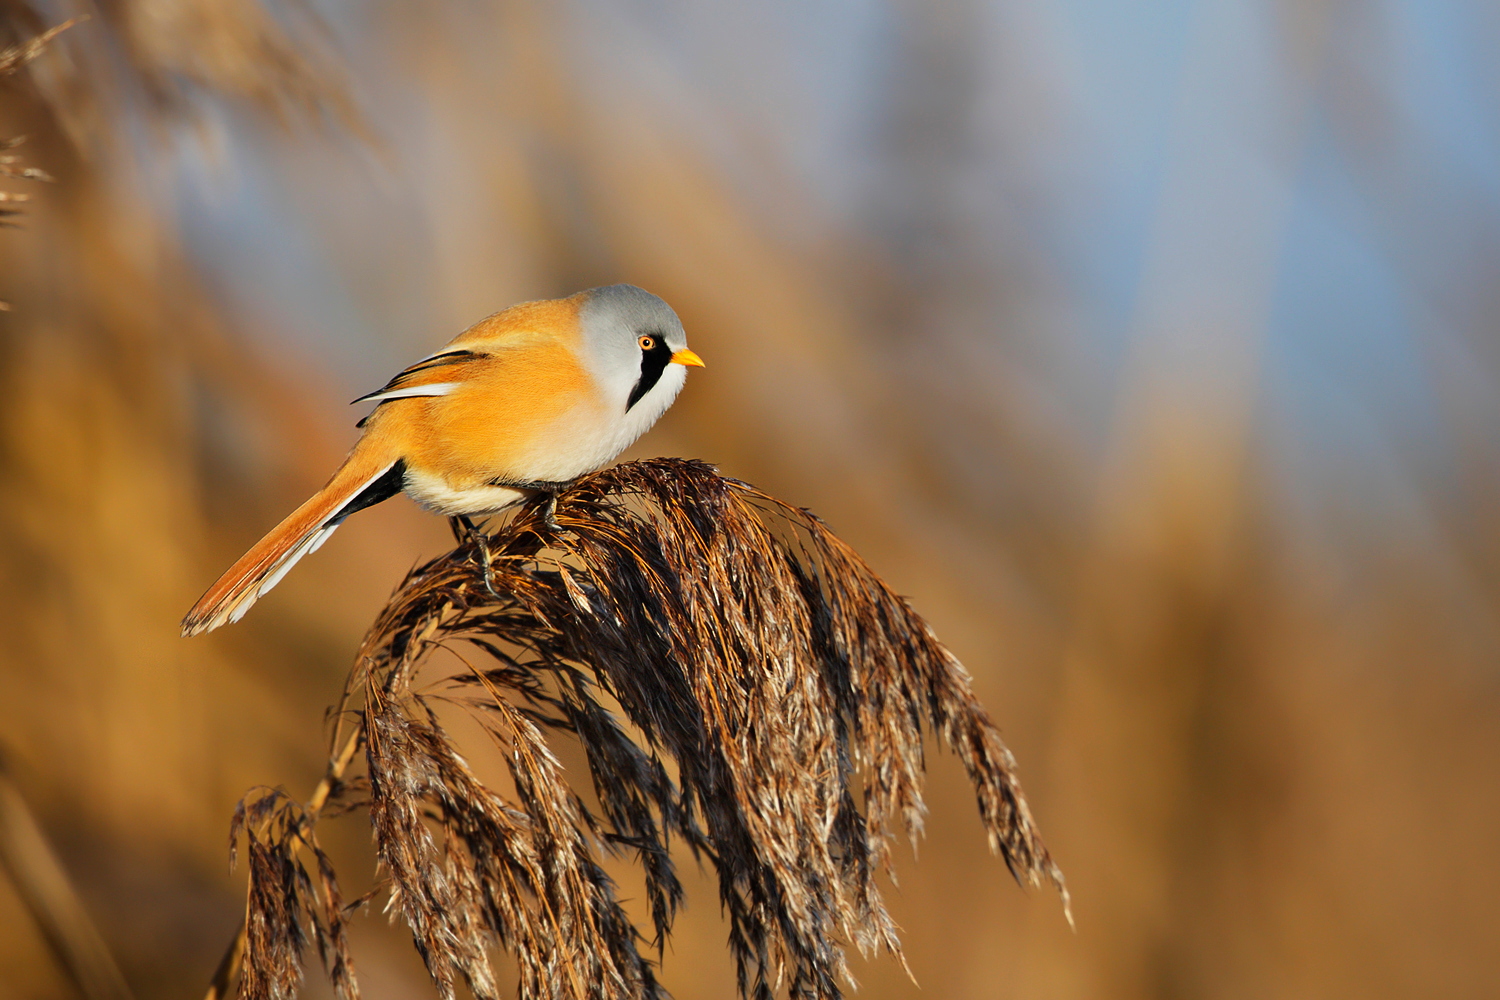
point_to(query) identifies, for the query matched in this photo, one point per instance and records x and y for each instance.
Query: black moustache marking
(653, 363)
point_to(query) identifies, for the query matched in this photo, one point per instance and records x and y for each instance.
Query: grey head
(629, 339)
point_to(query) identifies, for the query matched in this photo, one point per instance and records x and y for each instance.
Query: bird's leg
(477, 537)
(547, 487)
(549, 511)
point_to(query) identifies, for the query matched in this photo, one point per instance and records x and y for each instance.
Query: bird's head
(634, 346)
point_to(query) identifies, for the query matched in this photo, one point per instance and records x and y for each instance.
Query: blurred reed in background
(1148, 349)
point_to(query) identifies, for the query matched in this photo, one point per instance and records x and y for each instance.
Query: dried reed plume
(11, 167)
(11, 61)
(777, 691)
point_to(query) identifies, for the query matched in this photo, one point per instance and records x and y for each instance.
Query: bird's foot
(481, 546)
(549, 509)
(549, 514)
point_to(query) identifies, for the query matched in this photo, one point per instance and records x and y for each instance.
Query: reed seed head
(738, 678)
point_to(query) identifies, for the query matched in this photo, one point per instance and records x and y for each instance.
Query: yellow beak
(687, 357)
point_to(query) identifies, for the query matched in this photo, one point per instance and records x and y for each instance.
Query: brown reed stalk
(41, 881)
(754, 654)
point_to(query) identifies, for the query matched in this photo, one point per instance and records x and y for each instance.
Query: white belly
(434, 493)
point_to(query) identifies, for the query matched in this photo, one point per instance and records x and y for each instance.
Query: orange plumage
(532, 396)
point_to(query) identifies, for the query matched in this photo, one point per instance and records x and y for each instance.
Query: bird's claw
(482, 549)
(549, 514)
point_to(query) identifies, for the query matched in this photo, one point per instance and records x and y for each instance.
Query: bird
(519, 404)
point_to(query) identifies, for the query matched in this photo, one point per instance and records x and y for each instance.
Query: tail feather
(358, 484)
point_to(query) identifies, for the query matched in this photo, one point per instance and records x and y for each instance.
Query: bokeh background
(1148, 345)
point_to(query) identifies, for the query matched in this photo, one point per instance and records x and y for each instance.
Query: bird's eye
(647, 343)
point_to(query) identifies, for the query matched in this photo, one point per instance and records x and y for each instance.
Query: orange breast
(522, 413)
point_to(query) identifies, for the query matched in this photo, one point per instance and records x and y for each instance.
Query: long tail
(364, 479)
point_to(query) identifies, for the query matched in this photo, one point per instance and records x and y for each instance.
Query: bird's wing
(435, 375)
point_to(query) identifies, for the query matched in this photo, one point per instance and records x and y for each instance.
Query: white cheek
(649, 408)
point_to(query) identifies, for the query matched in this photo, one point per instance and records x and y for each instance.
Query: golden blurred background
(1148, 347)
